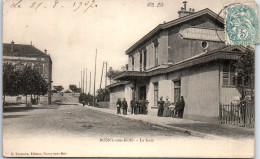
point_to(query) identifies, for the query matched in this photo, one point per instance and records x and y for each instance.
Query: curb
(177, 129)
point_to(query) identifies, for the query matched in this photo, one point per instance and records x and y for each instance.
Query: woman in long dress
(166, 110)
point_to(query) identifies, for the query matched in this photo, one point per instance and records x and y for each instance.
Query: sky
(71, 33)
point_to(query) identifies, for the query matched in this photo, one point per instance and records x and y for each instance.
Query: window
(156, 89)
(228, 74)
(141, 61)
(156, 55)
(145, 52)
(133, 63)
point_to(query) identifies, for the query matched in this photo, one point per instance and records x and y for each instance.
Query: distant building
(21, 55)
(184, 57)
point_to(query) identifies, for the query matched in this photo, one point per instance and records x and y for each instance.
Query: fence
(237, 114)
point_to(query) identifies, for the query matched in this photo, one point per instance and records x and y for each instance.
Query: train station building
(184, 57)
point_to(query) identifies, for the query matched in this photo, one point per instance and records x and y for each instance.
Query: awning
(225, 53)
(117, 84)
(131, 75)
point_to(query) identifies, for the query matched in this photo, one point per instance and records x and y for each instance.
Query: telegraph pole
(83, 80)
(106, 76)
(101, 76)
(90, 83)
(95, 78)
(86, 80)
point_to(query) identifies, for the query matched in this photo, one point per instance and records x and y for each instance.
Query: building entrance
(142, 92)
(177, 90)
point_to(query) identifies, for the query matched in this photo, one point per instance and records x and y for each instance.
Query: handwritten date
(76, 5)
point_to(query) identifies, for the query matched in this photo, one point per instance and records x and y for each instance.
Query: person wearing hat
(166, 110)
(160, 107)
(118, 106)
(124, 107)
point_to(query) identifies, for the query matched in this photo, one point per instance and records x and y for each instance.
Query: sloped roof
(173, 23)
(22, 50)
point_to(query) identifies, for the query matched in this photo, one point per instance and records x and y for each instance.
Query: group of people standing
(165, 108)
(137, 107)
(166, 111)
(121, 104)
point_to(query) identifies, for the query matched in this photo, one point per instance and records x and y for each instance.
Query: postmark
(241, 24)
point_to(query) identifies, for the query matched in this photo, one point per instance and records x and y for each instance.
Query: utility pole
(95, 79)
(106, 77)
(90, 83)
(86, 80)
(101, 76)
(83, 80)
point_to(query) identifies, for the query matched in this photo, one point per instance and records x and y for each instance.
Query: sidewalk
(191, 127)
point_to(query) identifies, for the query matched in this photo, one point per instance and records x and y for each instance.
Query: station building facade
(184, 57)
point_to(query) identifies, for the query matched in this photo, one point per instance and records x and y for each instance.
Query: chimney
(185, 4)
(184, 12)
(12, 46)
(45, 51)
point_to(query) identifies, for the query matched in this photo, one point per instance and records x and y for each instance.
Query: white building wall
(128, 95)
(163, 48)
(118, 92)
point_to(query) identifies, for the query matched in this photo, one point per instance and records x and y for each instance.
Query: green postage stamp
(242, 27)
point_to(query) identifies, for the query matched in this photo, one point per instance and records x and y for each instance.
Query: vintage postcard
(129, 78)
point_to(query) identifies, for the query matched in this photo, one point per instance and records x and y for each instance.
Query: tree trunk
(26, 99)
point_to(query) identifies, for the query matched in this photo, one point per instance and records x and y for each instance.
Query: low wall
(103, 104)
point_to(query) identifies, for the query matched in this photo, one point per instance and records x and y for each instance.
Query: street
(77, 120)
(72, 130)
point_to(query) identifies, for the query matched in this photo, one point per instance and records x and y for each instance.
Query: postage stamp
(242, 27)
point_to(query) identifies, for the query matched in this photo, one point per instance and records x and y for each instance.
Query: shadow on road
(24, 109)
(13, 116)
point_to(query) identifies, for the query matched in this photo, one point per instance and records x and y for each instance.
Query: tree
(11, 80)
(87, 98)
(111, 73)
(74, 88)
(103, 95)
(245, 71)
(27, 81)
(32, 82)
(58, 88)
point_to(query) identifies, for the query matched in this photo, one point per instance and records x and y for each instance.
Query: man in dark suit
(118, 106)
(143, 107)
(132, 103)
(181, 107)
(124, 107)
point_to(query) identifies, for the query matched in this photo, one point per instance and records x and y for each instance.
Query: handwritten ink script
(75, 5)
(153, 4)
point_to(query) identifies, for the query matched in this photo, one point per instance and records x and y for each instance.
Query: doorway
(177, 90)
(142, 92)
